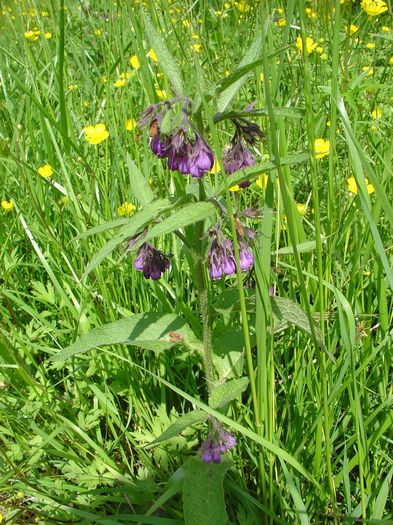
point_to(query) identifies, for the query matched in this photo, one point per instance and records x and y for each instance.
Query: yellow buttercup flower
(391, 61)
(98, 32)
(96, 134)
(130, 124)
(352, 186)
(7, 205)
(45, 171)
(301, 208)
(370, 45)
(196, 47)
(120, 83)
(282, 22)
(216, 167)
(310, 44)
(376, 113)
(385, 29)
(152, 55)
(161, 93)
(195, 36)
(374, 7)
(242, 6)
(48, 35)
(261, 181)
(126, 209)
(369, 70)
(321, 148)
(186, 23)
(134, 62)
(32, 35)
(234, 188)
(352, 29)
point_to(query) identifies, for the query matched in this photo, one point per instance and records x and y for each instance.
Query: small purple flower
(216, 444)
(245, 255)
(160, 147)
(221, 258)
(237, 156)
(200, 157)
(151, 262)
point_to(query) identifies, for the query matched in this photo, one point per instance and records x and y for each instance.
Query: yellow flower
(226, 5)
(32, 35)
(48, 35)
(134, 62)
(96, 134)
(234, 188)
(391, 61)
(186, 23)
(195, 36)
(126, 209)
(7, 207)
(385, 29)
(310, 44)
(319, 50)
(321, 148)
(301, 208)
(370, 45)
(44, 13)
(261, 181)
(282, 22)
(45, 171)
(72, 87)
(161, 93)
(130, 124)
(261, 77)
(216, 167)
(120, 83)
(242, 6)
(352, 29)
(196, 47)
(310, 13)
(98, 32)
(374, 7)
(152, 55)
(368, 69)
(352, 186)
(376, 113)
(280, 10)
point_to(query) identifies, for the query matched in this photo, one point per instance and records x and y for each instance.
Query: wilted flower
(374, 7)
(151, 261)
(216, 444)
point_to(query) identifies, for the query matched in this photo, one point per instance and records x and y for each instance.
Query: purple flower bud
(200, 158)
(216, 444)
(245, 255)
(221, 259)
(151, 262)
(160, 147)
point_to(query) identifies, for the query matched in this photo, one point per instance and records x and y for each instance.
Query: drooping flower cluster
(181, 144)
(221, 257)
(149, 260)
(216, 444)
(237, 155)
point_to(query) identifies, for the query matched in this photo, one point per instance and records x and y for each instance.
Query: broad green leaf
(153, 331)
(165, 59)
(223, 394)
(228, 353)
(285, 309)
(260, 168)
(203, 493)
(189, 214)
(139, 183)
(228, 302)
(181, 423)
(227, 95)
(134, 225)
(105, 226)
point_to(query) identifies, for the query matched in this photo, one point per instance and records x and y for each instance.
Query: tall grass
(314, 425)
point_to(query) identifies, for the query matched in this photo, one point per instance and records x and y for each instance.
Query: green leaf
(100, 228)
(139, 183)
(134, 225)
(153, 331)
(285, 309)
(302, 247)
(383, 495)
(189, 214)
(223, 394)
(165, 58)
(181, 423)
(297, 499)
(228, 356)
(227, 95)
(203, 493)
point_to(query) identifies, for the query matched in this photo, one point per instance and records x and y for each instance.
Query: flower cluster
(149, 260)
(237, 156)
(184, 148)
(221, 258)
(217, 442)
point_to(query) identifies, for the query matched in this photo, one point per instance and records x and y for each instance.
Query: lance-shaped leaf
(139, 183)
(152, 331)
(181, 423)
(203, 493)
(165, 59)
(223, 394)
